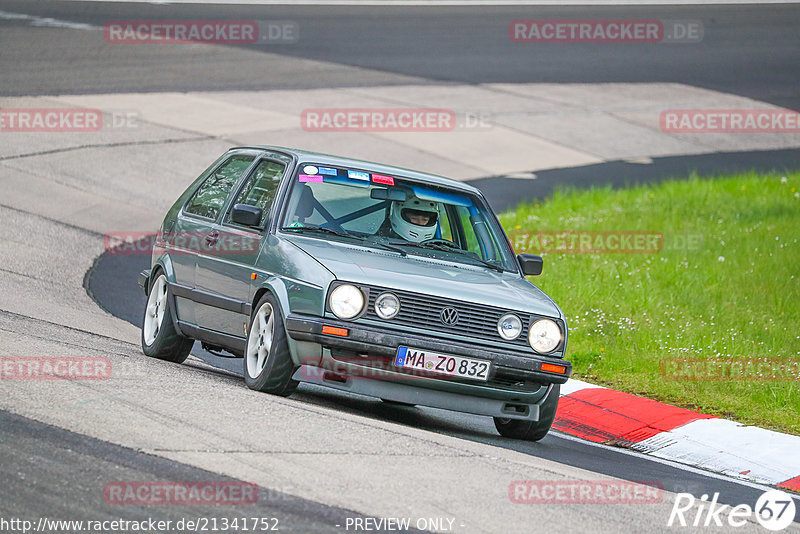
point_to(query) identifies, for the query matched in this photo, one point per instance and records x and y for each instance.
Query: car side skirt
(233, 343)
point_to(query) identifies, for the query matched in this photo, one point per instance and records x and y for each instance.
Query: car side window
(209, 198)
(260, 188)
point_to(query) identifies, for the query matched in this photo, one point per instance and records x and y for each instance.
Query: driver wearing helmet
(413, 220)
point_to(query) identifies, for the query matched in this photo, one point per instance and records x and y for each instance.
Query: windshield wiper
(316, 229)
(432, 246)
(386, 246)
(444, 248)
(488, 264)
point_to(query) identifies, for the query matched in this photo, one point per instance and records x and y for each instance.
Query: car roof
(329, 159)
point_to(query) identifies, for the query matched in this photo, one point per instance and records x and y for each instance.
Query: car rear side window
(260, 189)
(209, 198)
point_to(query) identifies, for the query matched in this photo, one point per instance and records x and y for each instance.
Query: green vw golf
(358, 276)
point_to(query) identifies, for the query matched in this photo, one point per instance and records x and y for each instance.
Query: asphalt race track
(45, 453)
(748, 50)
(320, 458)
(125, 300)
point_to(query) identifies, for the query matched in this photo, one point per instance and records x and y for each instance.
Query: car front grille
(424, 311)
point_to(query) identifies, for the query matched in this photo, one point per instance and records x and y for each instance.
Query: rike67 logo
(774, 510)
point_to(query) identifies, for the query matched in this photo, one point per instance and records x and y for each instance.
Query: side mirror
(246, 215)
(531, 265)
(397, 195)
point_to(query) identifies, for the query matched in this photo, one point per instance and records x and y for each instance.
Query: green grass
(734, 294)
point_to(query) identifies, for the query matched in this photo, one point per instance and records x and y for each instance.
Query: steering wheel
(438, 241)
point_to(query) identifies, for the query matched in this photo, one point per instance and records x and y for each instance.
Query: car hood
(464, 282)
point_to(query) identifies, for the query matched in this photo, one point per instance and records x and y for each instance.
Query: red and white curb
(603, 415)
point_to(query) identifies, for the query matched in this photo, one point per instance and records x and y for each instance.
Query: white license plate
(443, 364)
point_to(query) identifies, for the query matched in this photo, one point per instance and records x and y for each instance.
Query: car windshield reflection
(396, 214)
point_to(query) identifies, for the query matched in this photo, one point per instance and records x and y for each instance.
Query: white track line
(46, 22)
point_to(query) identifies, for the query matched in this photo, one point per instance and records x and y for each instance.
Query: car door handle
(212, 238)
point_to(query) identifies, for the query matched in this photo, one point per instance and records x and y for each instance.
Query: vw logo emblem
(449, 316)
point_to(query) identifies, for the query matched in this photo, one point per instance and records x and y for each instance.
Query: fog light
(387, 306)
(509, 326)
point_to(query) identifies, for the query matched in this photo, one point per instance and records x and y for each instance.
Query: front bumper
(513, 376)
(412, 394)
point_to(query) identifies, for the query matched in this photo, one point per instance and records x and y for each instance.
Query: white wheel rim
(155, 311)
(259, 340)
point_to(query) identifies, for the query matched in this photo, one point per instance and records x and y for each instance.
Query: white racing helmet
(406, 218)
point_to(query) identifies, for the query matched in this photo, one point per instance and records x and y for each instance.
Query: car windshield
(393, 213)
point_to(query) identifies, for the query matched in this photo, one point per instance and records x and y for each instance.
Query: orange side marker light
(560, 369)
(335, 331)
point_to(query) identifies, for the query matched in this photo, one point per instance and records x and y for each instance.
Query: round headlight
(544, 335)
(346, 301)
(509, 326)
(387, 305)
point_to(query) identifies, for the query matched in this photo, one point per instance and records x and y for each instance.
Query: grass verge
(721, 284)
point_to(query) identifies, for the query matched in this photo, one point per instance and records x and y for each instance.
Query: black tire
(168, 344)
(531, 430)
(275, 377)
